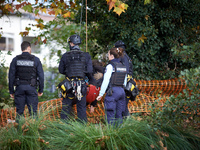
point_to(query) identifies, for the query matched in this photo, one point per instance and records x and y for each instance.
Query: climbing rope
(81, 18)
(86, 21)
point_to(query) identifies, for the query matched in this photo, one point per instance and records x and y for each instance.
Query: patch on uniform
(105, 70)
(25, 63)
(120, 69)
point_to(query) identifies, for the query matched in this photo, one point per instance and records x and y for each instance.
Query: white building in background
(10, 41)
(11, 26)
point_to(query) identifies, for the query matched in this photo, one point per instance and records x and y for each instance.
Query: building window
(7, 42)
(3, 43)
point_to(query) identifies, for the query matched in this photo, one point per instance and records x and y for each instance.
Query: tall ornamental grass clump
(58, 135)
(42, 134)
(25, 135)
(73, 135)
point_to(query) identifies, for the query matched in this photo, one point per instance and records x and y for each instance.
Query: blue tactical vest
(25, 67)
(118, 76)
(76, 64)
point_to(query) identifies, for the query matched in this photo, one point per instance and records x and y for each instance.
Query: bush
(182, 110)
(5, 100)
(132, 134)
(150, 32)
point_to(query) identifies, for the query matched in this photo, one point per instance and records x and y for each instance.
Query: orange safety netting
(149, 92)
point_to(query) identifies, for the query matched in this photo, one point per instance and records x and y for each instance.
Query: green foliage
(182, 110)
(188, 55)
(5, 100)
(149, 31)
(172, 136)
(25, 135)
(59, 30)
(47, 95)
(56, 34)
(132, 134)
(50, 82)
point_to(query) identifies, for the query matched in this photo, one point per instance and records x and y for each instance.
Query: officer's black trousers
(67, 105)
(26, 94)
(126, 112)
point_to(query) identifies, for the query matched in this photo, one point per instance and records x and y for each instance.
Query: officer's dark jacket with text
(63, 62)
(13, 72)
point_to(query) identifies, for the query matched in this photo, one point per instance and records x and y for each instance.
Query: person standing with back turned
(75, 65)
(113, 84)
(125, 59)
(24, 72)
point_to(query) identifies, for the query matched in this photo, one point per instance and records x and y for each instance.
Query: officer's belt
(75, 79)
(114, 85)
(24, 82)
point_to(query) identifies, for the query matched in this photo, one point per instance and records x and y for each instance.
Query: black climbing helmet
(75, 39)
(120, 44)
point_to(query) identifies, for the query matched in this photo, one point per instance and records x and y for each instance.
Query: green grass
(42, 134)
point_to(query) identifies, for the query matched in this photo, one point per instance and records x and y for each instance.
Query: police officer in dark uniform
(125, 59)
(75, 65)
(25, 70)
(113, 84)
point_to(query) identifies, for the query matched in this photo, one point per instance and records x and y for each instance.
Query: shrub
(182, 110)
(5, 100)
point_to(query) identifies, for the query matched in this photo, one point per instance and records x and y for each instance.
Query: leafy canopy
(151, 32)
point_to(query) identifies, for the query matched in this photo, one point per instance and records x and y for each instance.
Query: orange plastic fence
(149, 92)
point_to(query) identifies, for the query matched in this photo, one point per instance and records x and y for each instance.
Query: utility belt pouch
(65, 86)
(109, 90)
(132, 88)
(33, 82)
(135, 92)
(130, 85)
(84, 89)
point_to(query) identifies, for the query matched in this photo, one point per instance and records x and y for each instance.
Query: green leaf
(28, 8)
(147, 2)
(36, 11)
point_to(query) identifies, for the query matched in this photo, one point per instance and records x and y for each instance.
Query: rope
(81, 18)
(86, 21)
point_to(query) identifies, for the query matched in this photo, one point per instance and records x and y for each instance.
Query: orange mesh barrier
(149, 92)
(161, 87)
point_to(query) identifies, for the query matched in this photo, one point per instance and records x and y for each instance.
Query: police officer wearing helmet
(113, 84)
(75, 65)
(131, 90)
(24, 72)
